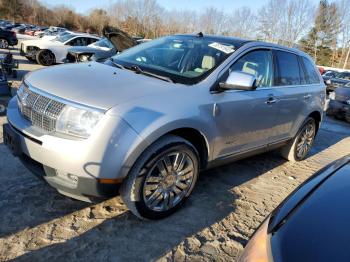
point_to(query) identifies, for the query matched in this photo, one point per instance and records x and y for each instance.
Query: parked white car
(49, 52)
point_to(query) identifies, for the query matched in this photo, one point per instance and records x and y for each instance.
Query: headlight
(348, 102)
(77, 122)
(332, 95)
(258, 248)
(84, 58)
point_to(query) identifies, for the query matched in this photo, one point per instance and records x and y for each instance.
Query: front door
(246, 119)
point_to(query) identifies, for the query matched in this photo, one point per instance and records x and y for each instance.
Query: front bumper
(74, 167)
(338, 108)
(82, 188)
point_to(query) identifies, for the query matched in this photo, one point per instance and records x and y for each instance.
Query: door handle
(271, 101)
(306, 97)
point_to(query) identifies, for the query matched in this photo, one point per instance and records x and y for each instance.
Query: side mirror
(239, 81)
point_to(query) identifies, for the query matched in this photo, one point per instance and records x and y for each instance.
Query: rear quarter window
(287, 70)
(311, 76)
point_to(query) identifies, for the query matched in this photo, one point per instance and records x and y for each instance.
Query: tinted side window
(287, 69)
(311, 75)
(90, 40)
(258, 63)
(79, 41)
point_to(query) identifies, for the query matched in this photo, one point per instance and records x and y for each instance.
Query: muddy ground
(228, 203)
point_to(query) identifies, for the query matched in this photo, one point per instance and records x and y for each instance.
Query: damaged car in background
(54, 51)
(339, 103)
(114, 41)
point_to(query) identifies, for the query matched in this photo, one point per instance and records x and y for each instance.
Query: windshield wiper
(138, 70)
(116, 64)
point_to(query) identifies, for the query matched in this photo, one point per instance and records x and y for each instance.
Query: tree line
(322, 30)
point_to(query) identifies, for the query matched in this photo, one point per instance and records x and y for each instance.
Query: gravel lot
(38, 224)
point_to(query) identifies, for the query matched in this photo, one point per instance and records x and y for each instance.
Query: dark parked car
(115, 41)
(334, 79)
(7, 38)
(312, 224)
(339, 104)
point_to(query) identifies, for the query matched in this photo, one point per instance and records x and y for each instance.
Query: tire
(4, 44)
(293, 151)
(347, 116)
(2, 109)
(45, 57)
(147, 185)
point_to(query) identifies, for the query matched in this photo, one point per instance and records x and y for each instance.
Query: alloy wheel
(168, 181)
(47, 58)
(305, 140)
(4, 44)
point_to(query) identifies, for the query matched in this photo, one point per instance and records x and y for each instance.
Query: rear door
(291, 93)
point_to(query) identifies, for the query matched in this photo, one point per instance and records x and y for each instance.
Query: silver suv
(149, 119)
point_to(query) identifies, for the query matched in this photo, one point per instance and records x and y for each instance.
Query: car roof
(227, 39)
(238, 42)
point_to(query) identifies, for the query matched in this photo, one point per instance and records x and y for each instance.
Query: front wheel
(162, 178)
(45, 57)
(298, 148)
(4, 44)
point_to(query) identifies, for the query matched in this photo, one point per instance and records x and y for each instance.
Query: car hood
(95, 84)
(319, 219)
(40, 42)
(120, 39)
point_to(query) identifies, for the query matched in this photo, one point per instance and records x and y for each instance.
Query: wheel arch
(316, 115)
(193, 135)
(197, 139)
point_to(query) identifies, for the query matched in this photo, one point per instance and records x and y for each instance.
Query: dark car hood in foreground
(318, 222)
(95, 84)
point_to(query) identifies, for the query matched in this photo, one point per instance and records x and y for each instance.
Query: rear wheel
(4, 44)
(162, 178)
(298, 148)
(347, 116)
(45, 57)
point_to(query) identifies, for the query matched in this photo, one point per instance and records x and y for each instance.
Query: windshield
(63, 37)
(104, 42)
(183, 59)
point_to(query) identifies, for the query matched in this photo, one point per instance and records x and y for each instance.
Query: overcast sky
(83, 6)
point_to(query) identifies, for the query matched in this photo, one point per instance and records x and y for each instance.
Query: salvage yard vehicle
(339, 103)
(7, 38)
(310, 224)
(115, 41)
(335, 79)
(150, 118)
(54, 51)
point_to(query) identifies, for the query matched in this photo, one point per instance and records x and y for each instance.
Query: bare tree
(242, 23)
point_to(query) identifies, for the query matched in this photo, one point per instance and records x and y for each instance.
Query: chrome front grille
(40, 110)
